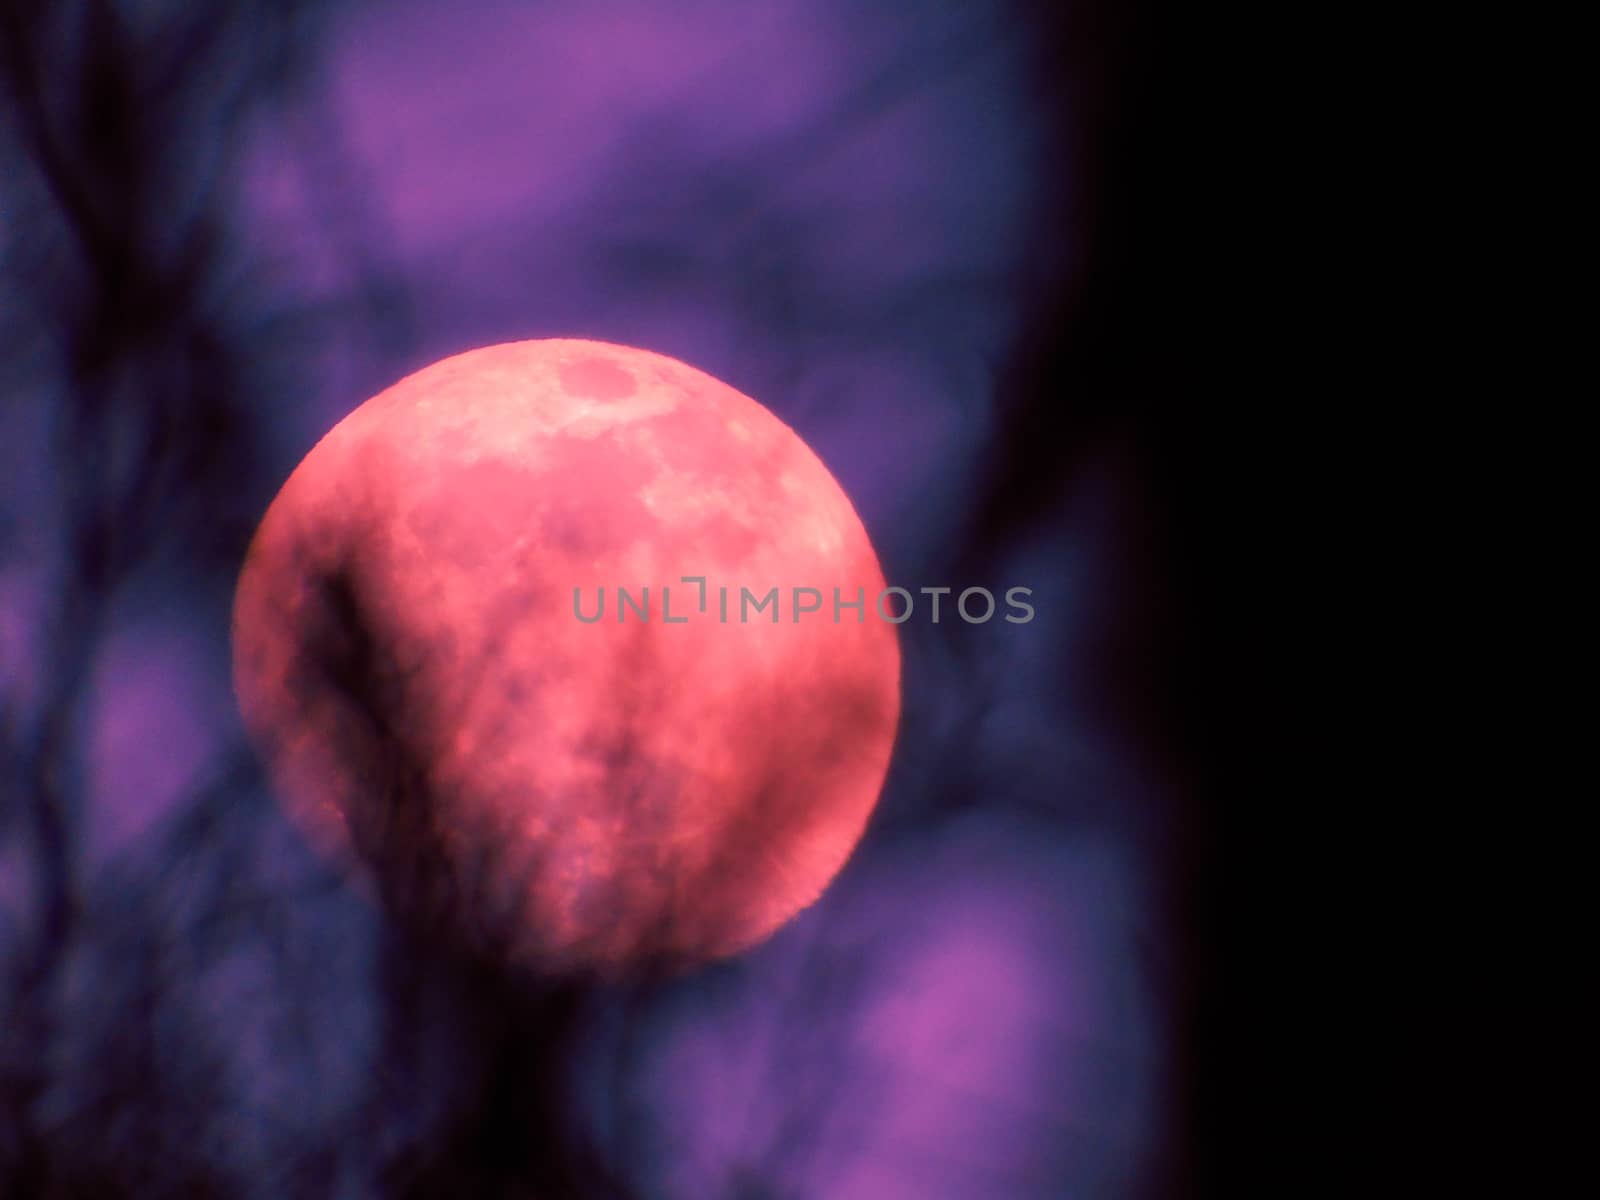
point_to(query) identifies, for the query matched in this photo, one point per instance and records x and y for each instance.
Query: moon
(417, 661)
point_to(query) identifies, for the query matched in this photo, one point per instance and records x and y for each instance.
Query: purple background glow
(841, 208)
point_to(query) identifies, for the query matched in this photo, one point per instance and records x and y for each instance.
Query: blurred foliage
(197, 1007)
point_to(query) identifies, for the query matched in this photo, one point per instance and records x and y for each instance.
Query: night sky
(935, 240)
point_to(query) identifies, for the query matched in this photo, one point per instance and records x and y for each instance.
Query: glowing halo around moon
(577, 795)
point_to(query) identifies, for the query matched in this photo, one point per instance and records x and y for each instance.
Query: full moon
(418, 660)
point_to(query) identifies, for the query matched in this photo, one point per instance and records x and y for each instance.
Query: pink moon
(575, 794)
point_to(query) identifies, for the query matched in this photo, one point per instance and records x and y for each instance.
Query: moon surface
(573, 793)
